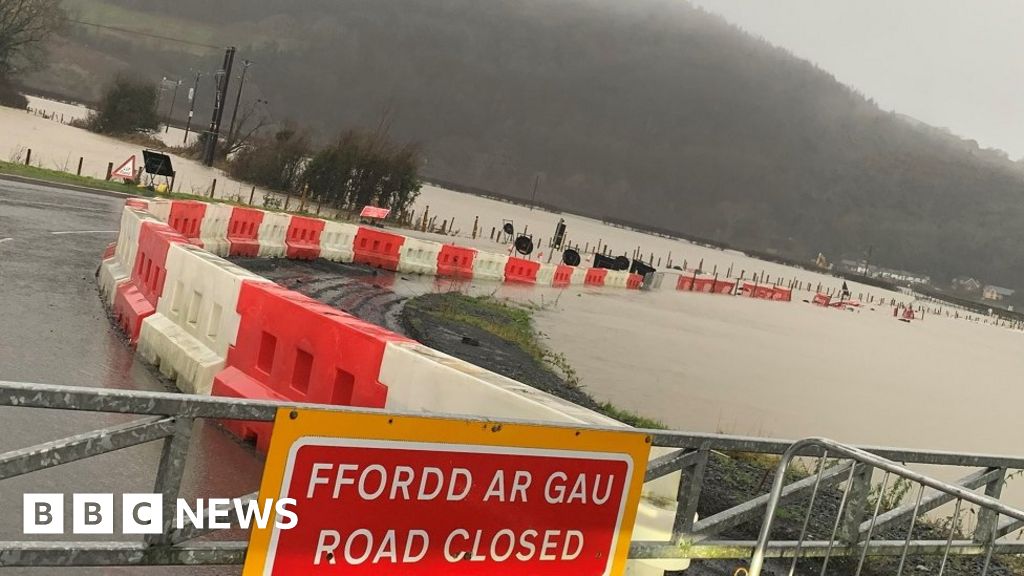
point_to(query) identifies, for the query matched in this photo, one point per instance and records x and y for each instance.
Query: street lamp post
(193, 94)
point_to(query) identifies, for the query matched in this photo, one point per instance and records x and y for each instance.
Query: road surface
(54, 329)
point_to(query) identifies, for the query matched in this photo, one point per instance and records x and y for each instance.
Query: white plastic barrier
(196, 320)
(489, 266)
(418, 256)
(616, 278)
(579, 276)
(546, 274)
(420, 379)
(118, 268)
(214, 230)
(337, 240)
(272, 234)
(160, 208)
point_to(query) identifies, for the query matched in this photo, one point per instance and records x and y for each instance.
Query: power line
(146, 34)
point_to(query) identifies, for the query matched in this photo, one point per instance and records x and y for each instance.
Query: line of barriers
(227, 230)
(170, 418)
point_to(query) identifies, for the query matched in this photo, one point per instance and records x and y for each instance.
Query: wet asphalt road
(54, 329)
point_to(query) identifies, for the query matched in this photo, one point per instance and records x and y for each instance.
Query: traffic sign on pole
(387, 495)
(126, 170)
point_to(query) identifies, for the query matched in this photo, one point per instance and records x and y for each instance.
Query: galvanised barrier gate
(860, 516)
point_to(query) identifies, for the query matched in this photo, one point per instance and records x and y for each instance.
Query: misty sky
(957, 64)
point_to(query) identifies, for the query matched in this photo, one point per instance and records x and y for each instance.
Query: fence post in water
(174, 176)
(213, 188)
(476, 221)
(252, 193)
(80, 160)
(659, 261)
(715, 271)
(28, 157)
(319, 204)
(492, 232)
(287, 199)
(701, 265)
(110, 168)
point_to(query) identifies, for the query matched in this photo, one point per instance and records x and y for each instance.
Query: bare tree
(24, 27)
(251, 121)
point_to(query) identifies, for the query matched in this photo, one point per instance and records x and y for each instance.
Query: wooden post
(174, 176)
(110, 169)
(80, 160)
(28, 157)
(319, 203)
(251, 194)
(492, 232)
(302, 198)
(213, 188)
(476, 223)
(287, 199)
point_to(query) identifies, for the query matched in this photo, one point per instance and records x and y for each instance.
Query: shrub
(128, 105)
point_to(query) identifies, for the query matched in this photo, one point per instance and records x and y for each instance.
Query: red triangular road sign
(125, 170)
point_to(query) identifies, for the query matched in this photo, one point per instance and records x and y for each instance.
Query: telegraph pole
(192, 109)
(238, 99)
(170, 113)
(218, 107)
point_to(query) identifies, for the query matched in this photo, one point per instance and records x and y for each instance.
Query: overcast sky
(956, 64)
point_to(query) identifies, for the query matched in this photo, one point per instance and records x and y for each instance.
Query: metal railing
(858, 531)
(169, 417)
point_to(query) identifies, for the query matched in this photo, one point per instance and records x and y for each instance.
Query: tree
(272, 161)
(24, 26)
(362, 168)
(128, 105)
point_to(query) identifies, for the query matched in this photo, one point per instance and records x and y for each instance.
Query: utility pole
(238, 99)
(193, 94)
(533, 197)
(170, 113)
(218, 107)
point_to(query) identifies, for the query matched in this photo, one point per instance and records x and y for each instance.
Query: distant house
(901, 275)
(966, 284)
(996, 293)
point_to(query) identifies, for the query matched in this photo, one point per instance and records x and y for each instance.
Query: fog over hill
(649, 111)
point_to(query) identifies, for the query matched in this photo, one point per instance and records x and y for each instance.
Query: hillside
(649, 111)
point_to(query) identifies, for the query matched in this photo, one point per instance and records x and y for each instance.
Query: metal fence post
(169, 475)
(989, 519)
(856, 504)
(691, 480)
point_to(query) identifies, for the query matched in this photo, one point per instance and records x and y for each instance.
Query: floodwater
(712, 363)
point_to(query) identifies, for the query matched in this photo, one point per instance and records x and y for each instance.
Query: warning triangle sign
(125, 170)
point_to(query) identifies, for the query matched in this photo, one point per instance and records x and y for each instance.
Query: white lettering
(448, 545)
(555, 494)
(325, 547)
(497, 487)
(315, 478)
(361, 533)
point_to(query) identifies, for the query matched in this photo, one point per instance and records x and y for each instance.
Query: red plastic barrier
(303, 238)
(136, 203)
(109, 251)
(186, 216)
(755, 291)
(563, 276)
(595, 277)
(136, 299)
(294, 348)
(455, 262)
(243, 231)
(782, 294)
(521, 271)
(377, 248)
(706, 285)
(634, 282)
(821, 299)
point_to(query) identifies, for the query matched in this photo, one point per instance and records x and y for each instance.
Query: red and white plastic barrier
(216, 328)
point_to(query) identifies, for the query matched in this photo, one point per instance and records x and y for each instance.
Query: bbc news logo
(144, 513)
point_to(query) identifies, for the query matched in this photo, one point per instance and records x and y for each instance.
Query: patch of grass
(20, 169)
(631, 418)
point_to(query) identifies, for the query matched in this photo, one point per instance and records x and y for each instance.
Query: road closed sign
(396, 495)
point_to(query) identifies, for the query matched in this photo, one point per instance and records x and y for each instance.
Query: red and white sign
(384, 507)
(125, 170)
(374, 212)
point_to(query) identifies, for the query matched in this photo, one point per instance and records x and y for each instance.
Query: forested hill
(649, 111)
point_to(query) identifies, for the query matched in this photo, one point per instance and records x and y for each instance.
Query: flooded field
(709, 363)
